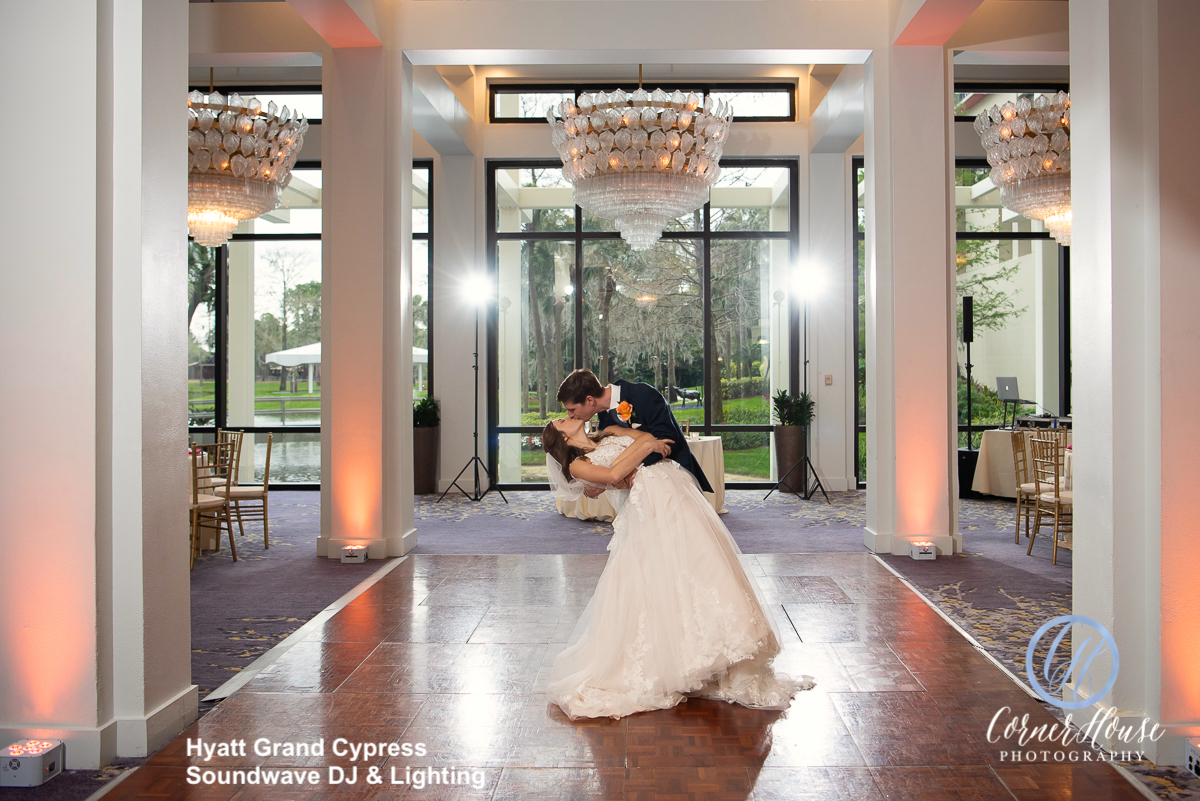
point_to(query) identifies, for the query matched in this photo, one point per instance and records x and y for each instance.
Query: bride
(675, 614)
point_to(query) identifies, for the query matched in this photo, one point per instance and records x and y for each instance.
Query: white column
(911, 453)
(830, 320)
(1135, 375)
(97, 634)
(366, 409)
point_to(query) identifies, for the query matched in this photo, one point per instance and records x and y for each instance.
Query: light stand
(811, 485)
(475, 462)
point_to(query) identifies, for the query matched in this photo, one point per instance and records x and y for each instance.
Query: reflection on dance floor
(452, 653)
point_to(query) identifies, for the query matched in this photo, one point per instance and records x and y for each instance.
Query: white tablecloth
(708, 452)
(995, 472)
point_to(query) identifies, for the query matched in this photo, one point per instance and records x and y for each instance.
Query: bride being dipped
(675, 614)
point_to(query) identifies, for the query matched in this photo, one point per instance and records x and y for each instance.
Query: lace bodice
(608, 450)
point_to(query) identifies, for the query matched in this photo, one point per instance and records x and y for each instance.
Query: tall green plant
(426, 413)
(792, 410)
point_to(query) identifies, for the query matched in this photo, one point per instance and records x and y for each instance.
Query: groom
(628, 404)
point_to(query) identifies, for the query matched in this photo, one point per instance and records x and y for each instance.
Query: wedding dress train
(675, 614)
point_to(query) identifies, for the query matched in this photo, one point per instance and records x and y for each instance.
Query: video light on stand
(479, 291)
(31, 763)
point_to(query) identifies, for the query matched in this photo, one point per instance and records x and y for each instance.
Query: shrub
(426, 413)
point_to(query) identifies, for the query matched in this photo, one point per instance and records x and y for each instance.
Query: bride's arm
(626, 463)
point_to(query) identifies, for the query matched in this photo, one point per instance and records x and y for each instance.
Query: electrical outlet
(828, 380)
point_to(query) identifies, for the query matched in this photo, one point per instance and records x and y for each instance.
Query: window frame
(1019, 87)
(252, 89)
(221, 320)
(1064, 302)
(667, 86)
(579, 236)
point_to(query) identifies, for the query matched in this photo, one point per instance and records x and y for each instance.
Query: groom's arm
(658, 419)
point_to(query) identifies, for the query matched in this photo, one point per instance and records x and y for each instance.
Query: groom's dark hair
(579, 386)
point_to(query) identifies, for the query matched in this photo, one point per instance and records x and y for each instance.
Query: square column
(912, 431)
(96, 624)
(1135, 374)
(366, 423)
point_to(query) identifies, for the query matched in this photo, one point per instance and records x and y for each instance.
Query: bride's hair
(557, 448)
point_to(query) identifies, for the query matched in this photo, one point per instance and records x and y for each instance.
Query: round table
(708, 452)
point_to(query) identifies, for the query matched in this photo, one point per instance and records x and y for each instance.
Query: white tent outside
(311, 354)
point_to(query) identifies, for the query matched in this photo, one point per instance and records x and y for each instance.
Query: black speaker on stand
(968, 457)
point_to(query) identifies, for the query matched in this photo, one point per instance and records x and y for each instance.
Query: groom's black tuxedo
(651, 412)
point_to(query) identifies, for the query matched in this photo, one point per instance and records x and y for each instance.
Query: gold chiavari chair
(1027, 491)
(255, 499)
(212, 471)
(235, 438)
(1053, 501)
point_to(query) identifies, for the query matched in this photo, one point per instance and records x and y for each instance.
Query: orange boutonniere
(625, 411)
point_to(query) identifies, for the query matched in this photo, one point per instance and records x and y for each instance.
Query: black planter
(789, 451)
(425, 460)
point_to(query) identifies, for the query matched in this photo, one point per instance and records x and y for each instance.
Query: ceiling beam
(341, 23)
(931, 23)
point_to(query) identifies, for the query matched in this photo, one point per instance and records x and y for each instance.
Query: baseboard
(138, 737)
(877, 543)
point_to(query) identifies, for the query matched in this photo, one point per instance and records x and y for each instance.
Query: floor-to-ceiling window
(1018, 278)
(255, 320)
(704, 315)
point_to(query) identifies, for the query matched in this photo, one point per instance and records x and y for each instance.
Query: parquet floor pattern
(454, 652)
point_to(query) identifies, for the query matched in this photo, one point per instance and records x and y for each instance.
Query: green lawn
(750, 462)
(266, 392)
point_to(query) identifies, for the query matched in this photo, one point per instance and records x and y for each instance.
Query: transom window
(752, 102)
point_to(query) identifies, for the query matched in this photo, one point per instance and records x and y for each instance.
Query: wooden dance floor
(453, 652)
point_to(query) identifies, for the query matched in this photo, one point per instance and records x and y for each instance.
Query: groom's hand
(593, 492)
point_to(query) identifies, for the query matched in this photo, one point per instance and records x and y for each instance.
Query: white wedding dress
(675, 613)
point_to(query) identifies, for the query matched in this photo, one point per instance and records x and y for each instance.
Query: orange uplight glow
(50, 667)
(30, 748)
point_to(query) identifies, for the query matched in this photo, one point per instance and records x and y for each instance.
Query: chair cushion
(1028, 489)
(208, 502)
(1064, 496)
(250, 491)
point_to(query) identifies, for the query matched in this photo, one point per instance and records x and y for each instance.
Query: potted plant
(793, 415)
(426, 425)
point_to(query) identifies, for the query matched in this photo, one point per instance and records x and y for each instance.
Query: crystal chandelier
(240, 159)
(1029, 147)
(641, 159)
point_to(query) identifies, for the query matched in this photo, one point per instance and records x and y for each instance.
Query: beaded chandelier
(1029, 147)
(240, 160)
(640, 159)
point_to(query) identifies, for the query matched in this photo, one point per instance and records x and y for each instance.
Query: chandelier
(640, 159)
(239, 161)
(1029, 147)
